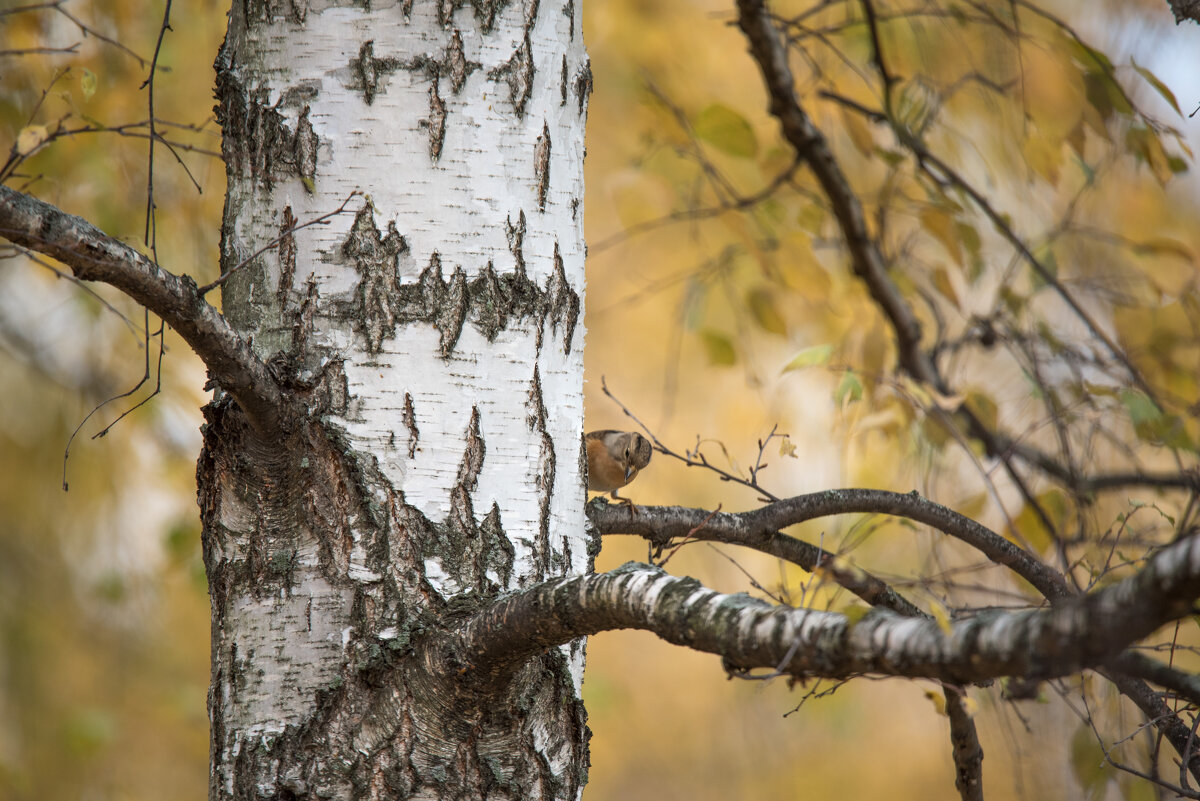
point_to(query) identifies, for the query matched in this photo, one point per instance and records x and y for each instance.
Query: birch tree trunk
(436, 337)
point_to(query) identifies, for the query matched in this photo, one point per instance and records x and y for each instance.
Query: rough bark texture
(1185, 9)
(434, 337)
(1081, 632)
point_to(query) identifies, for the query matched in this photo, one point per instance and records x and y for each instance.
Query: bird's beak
(629, 471)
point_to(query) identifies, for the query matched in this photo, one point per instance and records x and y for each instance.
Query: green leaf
(762, 307)
(983, 407)
(1158, 85)
(849, 389)
(969, 237)
(1163, 246)
(1142, 410)
(1087, 761)
(1089, 57)
(893, 158)
(88, 730)
(1151, 424)
(726, 130)
(1148, 147)
(719, 347)
(87, 83)
(809, 357)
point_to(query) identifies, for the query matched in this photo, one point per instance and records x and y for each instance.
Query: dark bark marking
(454, 64)
(486, 12)
(435, 122)
(472, 462)
(256, 143)
(497, 550)
(406, 9)
(569, 12)
(593, 533)
(469, 549)
(302, 325)
(377, 259)
(562, 82)
(516, 239)
(410, 422)
(299, 11)
(583, 86)
(541, 165)
(456, 61)
(305, 150)
(287, 255)
(562, 303)
(517, 72)
(535, 418)
(370, 70)
(452, 311)
(495, 299)
(492, 302)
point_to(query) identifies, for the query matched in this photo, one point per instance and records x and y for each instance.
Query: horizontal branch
(667, 523)
(93, 255)
(1082, 632)
(758, 530)
(660, 524)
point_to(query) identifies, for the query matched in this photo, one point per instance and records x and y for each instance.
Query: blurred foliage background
(716, 329)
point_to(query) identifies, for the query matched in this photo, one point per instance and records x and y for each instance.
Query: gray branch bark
(1082, 632)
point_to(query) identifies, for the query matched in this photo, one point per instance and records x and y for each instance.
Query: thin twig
(322, 220)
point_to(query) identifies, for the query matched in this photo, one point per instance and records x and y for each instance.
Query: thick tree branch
(748, 633)
(759, 529)
(95, 256)
(1185, 9)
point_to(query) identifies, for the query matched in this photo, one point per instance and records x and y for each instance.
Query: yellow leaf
(719, 347)
(945, 286)
(938, 700)
(938, 222)
(941, 616)
(87, 83)
(860, 134)
(765, 311)
(855, 612)
(1044, 155)
(31, 138)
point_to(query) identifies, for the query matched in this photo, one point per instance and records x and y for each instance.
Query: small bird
(614, 459)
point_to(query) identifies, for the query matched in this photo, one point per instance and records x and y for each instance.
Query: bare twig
(322, 220)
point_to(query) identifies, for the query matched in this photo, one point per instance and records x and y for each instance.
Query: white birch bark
(437, 335)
